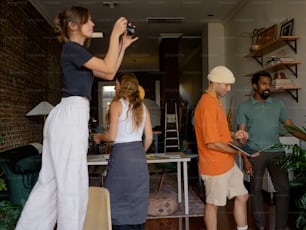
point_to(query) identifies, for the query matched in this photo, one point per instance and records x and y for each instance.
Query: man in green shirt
(260, 116)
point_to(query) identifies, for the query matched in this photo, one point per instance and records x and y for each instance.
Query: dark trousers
(280, 181)
(129, 227)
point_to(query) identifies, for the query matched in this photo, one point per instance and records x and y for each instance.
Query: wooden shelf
(291, 90)
(258, 55)
(274, 89)
(290, 65)
(276, 44)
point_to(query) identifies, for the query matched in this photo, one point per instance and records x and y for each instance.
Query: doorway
(106, 92)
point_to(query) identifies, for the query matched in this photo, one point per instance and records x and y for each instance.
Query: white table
(156, 158)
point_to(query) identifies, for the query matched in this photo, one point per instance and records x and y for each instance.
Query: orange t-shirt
(211, 126)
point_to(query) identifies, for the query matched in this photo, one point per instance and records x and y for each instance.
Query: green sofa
(21, 166)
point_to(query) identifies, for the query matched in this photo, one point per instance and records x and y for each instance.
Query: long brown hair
(129, 91)
(75, 14)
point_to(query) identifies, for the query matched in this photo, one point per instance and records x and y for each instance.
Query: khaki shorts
(228, 185)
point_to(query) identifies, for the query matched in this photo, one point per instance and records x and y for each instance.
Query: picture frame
(267, 35)
(286, 28)
(280, 25)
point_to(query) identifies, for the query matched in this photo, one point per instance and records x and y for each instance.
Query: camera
(131, 29)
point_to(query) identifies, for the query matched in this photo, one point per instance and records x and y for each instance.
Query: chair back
(98, 216)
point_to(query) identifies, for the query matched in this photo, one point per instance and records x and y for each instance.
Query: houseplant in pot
(296, 164)
(9, 213)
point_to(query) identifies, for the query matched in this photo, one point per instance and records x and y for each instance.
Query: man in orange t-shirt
(222, 178)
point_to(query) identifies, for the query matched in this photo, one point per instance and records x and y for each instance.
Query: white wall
(215, 45)
(216, 53)
(257, 14)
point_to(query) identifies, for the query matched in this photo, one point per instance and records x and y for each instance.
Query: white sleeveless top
(126, 132)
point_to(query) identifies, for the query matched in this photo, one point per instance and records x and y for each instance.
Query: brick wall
(29, 71)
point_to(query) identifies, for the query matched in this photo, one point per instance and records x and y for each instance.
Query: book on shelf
(276, 60)
(288, 86)
(272, 61)
(286, 59)
(281, 82)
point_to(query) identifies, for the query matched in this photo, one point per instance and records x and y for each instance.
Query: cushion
(162, 204)
(30, 164)
(12, 156)
(38, 146)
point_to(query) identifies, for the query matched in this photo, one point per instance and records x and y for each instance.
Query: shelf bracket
(259, 59)
(292, 46)
(294, 96)
(293, 69)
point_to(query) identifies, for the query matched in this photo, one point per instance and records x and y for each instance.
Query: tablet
(246, 149)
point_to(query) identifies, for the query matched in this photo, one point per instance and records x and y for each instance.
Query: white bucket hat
(221, 74)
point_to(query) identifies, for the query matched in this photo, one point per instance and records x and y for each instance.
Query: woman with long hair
(61, 193)
(130, 130)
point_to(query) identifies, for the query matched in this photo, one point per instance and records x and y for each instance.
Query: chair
(21, 166)
(98, 214)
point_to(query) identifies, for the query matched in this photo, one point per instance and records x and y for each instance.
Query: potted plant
(296, 163)
(9, 213)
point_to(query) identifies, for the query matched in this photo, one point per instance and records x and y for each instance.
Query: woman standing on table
(127, 173)
(61, 192)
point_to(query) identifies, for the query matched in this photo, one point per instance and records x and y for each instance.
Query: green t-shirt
(262, 121)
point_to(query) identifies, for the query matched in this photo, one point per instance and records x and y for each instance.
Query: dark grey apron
(127, 180)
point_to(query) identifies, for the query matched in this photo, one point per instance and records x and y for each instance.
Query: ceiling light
(165, 19)
(110, 4)
(170, 35)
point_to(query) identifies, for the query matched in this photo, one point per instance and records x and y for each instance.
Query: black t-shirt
(77, 80)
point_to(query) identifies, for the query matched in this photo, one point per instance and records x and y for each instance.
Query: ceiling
(154, 20)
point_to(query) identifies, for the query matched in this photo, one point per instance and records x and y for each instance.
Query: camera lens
(130, 29)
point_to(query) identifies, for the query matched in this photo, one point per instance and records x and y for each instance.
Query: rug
(169, 185)
(196, 206)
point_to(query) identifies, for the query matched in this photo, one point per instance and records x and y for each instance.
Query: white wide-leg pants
(61, 192)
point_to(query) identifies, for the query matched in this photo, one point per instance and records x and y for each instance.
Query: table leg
(186, 223)
(179, 182)
(180, 223)
(186, 198)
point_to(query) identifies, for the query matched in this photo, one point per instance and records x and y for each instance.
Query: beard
(265, 94)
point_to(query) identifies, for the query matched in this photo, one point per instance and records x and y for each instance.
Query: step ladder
(172, 141)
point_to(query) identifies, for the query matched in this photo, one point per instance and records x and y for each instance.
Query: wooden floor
(225, 219)
(225, 214)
